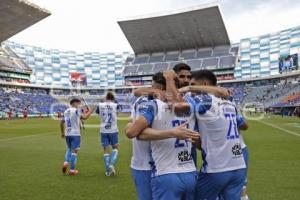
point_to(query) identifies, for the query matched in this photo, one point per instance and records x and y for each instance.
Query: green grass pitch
(31, 155)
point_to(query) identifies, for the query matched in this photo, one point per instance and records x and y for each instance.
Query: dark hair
(159, 78)
(205, 75)
(110, 96)
(74, 100)
(181, 66)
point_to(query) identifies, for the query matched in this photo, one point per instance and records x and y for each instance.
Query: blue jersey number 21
(179, 143)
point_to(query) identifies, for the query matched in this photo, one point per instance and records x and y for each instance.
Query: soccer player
(109, 132)
(244, 126)
(70, 130)
(140, 163)
(173, 168)
(140, 160)
(223, 170)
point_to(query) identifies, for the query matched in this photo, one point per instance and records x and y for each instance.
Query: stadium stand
(9, 61)
(36, 100)
(18, 15)
(161, 50)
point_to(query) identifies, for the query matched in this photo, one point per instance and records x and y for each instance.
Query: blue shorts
(73, 142)
(246, 158)
(174, 186)
(109, 139)
(227, 185)
(142, 181)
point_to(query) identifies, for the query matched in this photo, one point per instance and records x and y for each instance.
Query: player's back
(220, 142)
(108, 114)
(72, 120)
(171, 155)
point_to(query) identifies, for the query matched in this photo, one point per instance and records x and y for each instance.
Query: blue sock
(114, 156)
(68, 155)
(106, 161)
(73, 161)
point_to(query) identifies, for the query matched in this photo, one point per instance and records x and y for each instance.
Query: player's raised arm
(181, 132)
(172, 93)
(215, 90)
(86, 115)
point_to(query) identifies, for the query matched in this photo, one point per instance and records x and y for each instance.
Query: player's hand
(169, 74)
(62, 135)
(182, 132)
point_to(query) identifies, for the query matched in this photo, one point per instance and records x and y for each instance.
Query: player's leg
(210, 185)
(166, 187)
(75, 143)
(244, 195)
(142, 181)
(106, 156)
(115, 151)
(234, 187)
(68, 153)
(189, 180)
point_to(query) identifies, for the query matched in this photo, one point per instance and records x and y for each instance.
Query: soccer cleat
(107, 173)
(73, 172)
(112, 170)
(65, 167)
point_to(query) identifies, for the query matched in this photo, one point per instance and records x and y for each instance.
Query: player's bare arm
(172, 93)
(86, 115)
(217, 91)
(136, 127)
(180, 132)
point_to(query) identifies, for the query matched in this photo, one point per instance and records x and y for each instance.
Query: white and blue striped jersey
(220, 141)
(72, 121)
(108, 113)
(169, 155)
(140, 159)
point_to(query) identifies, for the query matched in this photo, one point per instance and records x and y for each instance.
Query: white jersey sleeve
(72, 121)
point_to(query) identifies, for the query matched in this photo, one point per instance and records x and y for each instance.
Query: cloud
(91, 25)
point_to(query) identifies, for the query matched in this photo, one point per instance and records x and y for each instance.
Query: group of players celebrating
(180, 113)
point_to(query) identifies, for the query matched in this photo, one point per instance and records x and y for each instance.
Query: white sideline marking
(274, 126)
(22, 137)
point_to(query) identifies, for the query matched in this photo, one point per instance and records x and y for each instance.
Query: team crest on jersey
(237, 149)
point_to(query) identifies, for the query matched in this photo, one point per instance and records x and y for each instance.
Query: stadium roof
(196, 27)
(17, 15)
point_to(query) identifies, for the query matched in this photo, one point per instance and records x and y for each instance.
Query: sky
(91, 25)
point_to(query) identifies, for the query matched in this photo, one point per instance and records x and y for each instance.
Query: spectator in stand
(10, 114)
(25, 113)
